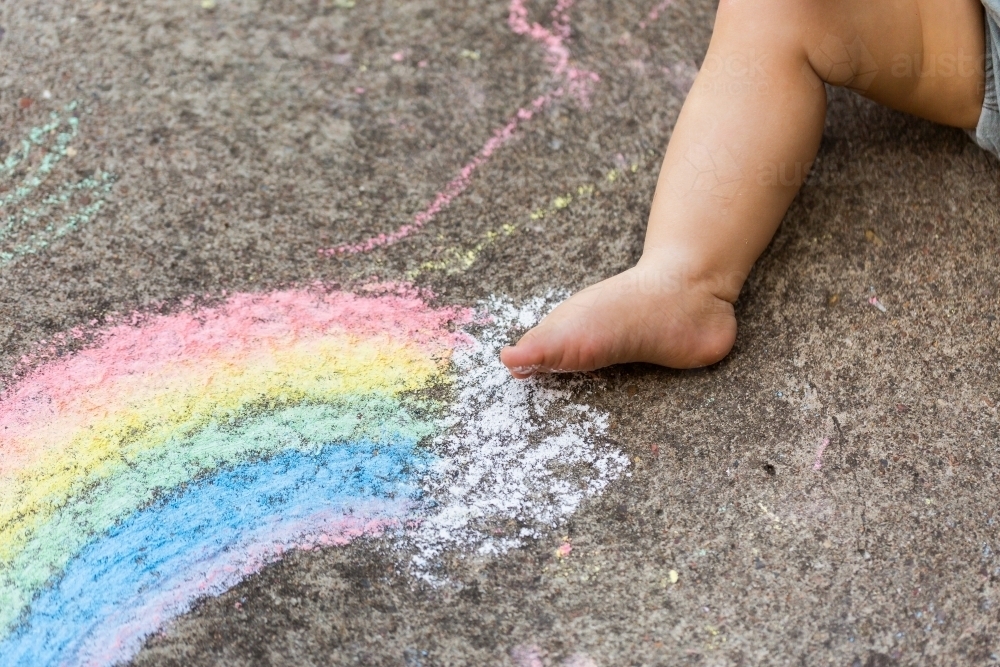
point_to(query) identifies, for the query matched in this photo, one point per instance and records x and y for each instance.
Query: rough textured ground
(244, 137)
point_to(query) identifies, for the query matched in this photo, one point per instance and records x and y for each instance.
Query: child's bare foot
(755, 114)
(638, 315)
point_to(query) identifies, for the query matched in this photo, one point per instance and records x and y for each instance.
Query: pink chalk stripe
(819, 454)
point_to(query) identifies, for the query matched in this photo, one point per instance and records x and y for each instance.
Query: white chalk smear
(510, 449)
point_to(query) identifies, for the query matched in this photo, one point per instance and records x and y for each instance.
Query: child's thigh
(924, 57)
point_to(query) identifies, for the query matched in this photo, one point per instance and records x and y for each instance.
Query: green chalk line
(40, 175)
(55, 150)
(61, 196)
(56, 230)
(36, 137)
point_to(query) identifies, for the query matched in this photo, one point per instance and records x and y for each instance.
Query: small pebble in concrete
(874, 300)
(873, 238)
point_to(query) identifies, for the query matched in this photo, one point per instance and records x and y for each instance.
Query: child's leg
(741, 148)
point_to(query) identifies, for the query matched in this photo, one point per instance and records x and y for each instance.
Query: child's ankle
(677, 269)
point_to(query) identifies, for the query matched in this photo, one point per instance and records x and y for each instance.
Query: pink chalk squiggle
(818, 465)
(576, 81)
(655, 13)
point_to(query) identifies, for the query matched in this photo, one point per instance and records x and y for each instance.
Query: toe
(538, 351)
(522, 360)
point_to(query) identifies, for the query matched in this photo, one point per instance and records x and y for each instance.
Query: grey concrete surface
(241, 142)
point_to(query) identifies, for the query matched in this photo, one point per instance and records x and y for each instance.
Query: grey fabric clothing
(988, 130)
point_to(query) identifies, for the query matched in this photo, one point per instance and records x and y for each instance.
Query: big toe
(524, 359)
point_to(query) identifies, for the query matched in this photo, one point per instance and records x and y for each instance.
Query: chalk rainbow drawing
(567, 79)
(176, 454)
(29, 220)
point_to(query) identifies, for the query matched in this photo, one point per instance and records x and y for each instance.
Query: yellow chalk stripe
(459, 259)
(562, 202)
